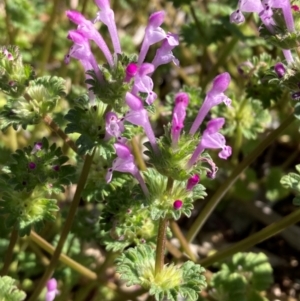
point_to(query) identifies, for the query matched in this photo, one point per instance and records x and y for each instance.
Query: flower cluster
(280, 29)
(265, 10)
(140, 94)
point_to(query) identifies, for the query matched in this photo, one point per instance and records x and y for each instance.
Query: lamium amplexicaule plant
(119, 166)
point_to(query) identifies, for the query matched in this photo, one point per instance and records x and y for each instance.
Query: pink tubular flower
(51, 289)
(212, 139)
(125, 163)
(192, 182)
(214, 97)
(143, 82)
(181, 103)
(113, 126)
(286, 10)
(81, 50)
(164, 54)
(138, 115)
(153, 34)
(107, 17)
(8, 55)
(87, 29)
(247, 6)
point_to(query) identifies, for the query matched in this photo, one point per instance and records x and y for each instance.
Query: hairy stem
(62, 257)
(227, 184)
(66, 229)
(9, 252)
(49, 121)
(254, 239)
(183, 242)
(161, 245)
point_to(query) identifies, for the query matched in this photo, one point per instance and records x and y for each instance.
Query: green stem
(138, 154)
(49, 37)
(9, 27)
(62, 257)
(216, 198)
(161, 245)
(183, 242)
(9, 252)
(254, 239)
(67, 227)
(49, 121)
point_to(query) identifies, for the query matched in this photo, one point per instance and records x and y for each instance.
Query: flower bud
(279, 69)
(177, 204)
(31, 165)
(192, 181)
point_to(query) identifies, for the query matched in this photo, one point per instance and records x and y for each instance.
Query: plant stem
(9, 27)
(183, 242)
(252, 240)
(216, 198)
(49, 34)
(67, 227)
(9, 252)
(49, 121)
(42, 243)
(137, 153)
(161, 245)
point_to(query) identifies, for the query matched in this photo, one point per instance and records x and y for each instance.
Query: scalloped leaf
(43, 167)
(137, 266)
(9, 291)
(292, 181)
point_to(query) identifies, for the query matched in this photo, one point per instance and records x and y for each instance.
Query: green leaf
(26, 210)
(292, 181)
(9, 290)
(49, 172)
(14, 75)
(137, 266)
(18, 113)
(242, 278)
(45, 92)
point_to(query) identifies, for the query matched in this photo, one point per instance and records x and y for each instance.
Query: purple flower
(214, 97)
(51, 289)
(143, 82)
(279, 69)
(192, 182)
(138, 115)
(31, 165)
(181, 103)
(113, 126)
(164, 54)
(107, 17)
(87, 29)
(81, 50)
(125, 163)
(286, 10)
(37, 147)
(212, 139)
(8, 55)
(153, 34)
(247, 6)
(177, 204)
